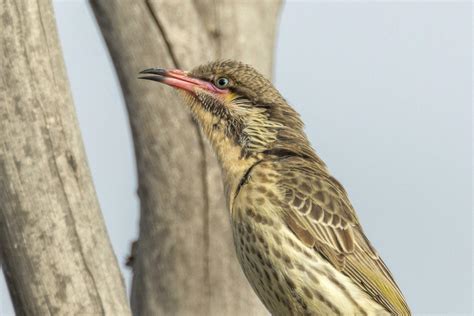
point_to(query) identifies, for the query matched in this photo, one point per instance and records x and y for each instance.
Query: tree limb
(57, 257)
(185, 260)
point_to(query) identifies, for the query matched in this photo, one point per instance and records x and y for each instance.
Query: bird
(296, 234)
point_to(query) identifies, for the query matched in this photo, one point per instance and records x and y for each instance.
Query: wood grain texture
(185, 261)
(57, 257)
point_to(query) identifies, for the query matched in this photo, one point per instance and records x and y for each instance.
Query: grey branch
(185, 262)
(57, 257)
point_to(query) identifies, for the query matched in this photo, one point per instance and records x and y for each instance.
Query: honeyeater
(296, 234)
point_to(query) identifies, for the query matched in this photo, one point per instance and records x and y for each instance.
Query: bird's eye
(222, 82)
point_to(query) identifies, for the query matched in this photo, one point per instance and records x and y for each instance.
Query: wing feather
(320, 214)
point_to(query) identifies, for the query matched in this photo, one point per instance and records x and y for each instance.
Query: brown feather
(336, 232)
(306, 237)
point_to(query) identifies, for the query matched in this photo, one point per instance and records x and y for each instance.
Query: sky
(384, 89)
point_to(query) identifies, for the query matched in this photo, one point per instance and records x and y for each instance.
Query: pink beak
(179, 79)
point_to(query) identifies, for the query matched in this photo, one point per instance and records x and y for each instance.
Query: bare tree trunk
(57, 256)
(185, 261)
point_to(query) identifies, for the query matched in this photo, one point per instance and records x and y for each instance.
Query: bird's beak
(178, 79)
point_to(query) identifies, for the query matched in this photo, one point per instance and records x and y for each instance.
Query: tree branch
(57, 257)
(185, 259)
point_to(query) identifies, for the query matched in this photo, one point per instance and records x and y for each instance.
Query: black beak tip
(154, 71)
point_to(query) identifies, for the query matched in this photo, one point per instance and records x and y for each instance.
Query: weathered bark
(57, 257)
(185, 262)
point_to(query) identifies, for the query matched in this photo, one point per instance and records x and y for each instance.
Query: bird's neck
(233, 165)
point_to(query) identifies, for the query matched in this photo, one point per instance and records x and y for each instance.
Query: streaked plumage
(297, 236)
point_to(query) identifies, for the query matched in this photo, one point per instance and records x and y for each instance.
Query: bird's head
(240, 111)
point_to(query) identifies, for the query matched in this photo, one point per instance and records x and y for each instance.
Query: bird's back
(302, 248)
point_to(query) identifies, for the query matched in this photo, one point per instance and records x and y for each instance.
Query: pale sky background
(385, 92)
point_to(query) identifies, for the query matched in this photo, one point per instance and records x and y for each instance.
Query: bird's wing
(319, 213)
